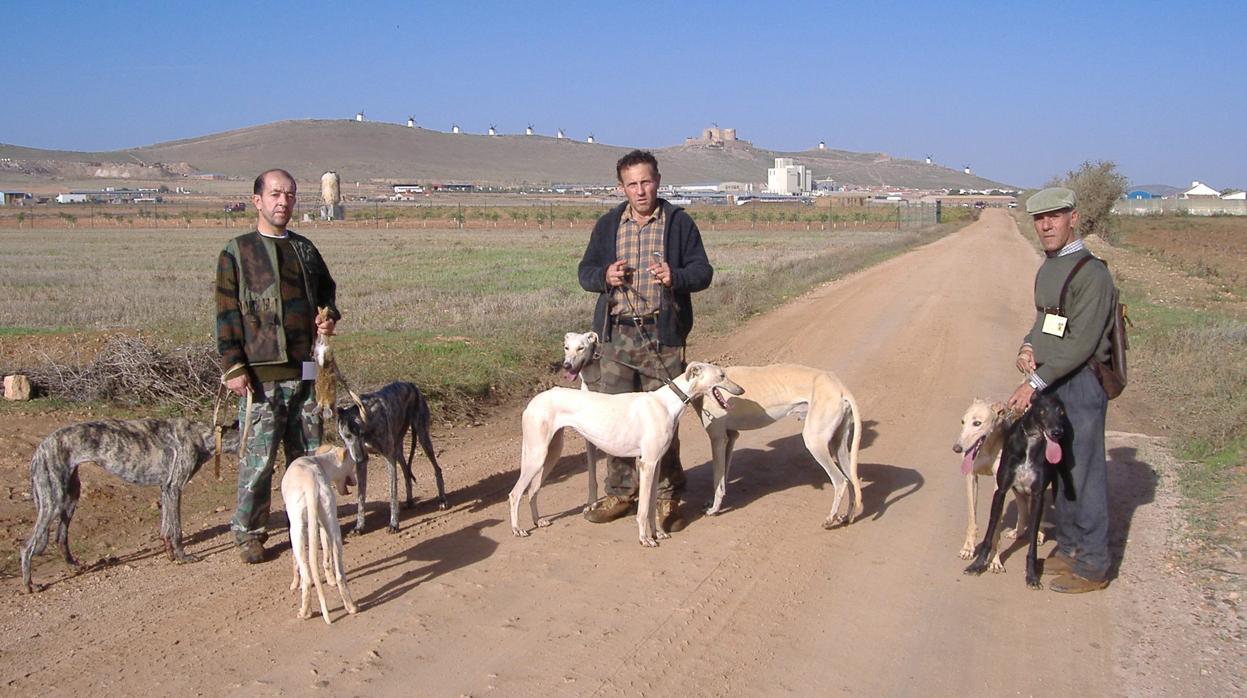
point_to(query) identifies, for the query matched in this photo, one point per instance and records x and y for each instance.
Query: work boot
(251, 551)
(1073, 583)
(1058, 563)
(669, 517)
(610, 508)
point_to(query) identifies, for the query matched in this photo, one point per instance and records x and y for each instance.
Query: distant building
(1235, 196)
(788, 178)
(72, 198)
(1139, 195)
(714, 137)
(408, 189)
(14, 198)
(1199, 190)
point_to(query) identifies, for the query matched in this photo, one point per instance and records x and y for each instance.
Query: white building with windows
(789, 178)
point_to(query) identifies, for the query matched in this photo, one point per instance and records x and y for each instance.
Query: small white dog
(981, 440)
(628, 425)
(307, 488)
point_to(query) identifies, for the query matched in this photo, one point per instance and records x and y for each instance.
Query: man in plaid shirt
(644, 260)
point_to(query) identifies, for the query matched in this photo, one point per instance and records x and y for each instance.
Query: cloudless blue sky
(1019, 91)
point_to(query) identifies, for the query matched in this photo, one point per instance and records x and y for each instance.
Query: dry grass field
(1211, 247)
(464, 313)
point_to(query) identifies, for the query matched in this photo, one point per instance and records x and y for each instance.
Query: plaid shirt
(637, 242)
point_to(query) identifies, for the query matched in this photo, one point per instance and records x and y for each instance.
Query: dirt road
(758, 601)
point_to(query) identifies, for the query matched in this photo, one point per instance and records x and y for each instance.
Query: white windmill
(967, 170)
(411, 122)
(492, 131)
(560, 135)
(454, 128)
(528, 131)
(359, 116)
(928, 159)
(589, 139)
(822, 145)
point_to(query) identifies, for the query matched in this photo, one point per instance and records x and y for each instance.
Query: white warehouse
(789, 178)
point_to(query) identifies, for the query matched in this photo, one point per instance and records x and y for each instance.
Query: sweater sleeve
(696, 273)
(1089, 309)
(597, 256)
(229, 330)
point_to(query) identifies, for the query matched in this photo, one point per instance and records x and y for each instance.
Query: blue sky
(1019, 91)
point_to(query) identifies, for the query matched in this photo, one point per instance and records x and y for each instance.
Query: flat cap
(1050, 199)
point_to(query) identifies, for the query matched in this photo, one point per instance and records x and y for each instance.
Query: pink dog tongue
(569, 375)
(1052, 451)
(967, 463)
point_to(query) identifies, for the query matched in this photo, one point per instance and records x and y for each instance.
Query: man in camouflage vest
(269, 284)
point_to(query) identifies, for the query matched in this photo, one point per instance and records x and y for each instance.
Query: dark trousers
(629, 346)
(1082, 524)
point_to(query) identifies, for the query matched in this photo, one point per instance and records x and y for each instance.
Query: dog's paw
(834, 522)
(996, 566)
(443, 505)
(967, 551)
(351, 608)
(711, 509)
(1009, 533)
(1035, 583)
(649, 542)
(519, 532)
(662, 535)
(543, 522)
(1040, 538)
(359, 531)
(975, 568)
(391, 529)
(185, 558)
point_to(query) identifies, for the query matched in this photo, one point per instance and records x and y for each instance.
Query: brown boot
(1073, 583)
(669, 517)
(610, 508)
(251, 551)
(1058, 563)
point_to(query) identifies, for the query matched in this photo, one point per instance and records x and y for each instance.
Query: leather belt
(633, 322)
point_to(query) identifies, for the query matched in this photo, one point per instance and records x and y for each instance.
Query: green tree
(1097, 185)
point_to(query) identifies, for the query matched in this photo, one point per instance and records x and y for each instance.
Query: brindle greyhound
(164, 452)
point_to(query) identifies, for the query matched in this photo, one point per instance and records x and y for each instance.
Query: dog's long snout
(731, 387)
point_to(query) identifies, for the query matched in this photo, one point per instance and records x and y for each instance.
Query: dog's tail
(854, 449)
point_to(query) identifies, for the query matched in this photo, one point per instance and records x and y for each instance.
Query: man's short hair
(258, 187)
(634, 158)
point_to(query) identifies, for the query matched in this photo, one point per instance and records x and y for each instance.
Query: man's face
(1055, 228)
(275, 203)
(640, 185)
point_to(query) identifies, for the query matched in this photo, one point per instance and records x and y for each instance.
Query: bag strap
(1060, 309)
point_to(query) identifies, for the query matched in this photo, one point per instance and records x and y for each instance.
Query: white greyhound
(981, 440)
(628, 425)
(833, 424)
(307, 488)
(773, 392)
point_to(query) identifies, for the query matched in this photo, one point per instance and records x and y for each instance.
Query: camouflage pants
(282, 413)
(629, 346)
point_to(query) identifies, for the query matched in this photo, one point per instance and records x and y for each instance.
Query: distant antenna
(492, 131)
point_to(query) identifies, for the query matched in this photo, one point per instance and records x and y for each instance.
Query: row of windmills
(493, 130)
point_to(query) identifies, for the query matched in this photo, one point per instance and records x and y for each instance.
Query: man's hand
(239, 385)
(616, 273)
(325, 326)
(1020, 401)
(660, 271)
(1026, 360)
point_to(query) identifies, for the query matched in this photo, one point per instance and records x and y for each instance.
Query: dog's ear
(694, 369)
(593, 337)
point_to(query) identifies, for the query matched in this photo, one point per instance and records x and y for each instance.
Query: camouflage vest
(259, 293)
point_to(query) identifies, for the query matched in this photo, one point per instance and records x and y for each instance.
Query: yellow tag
(1054, 325)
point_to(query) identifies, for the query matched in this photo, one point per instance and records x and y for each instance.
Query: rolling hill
(364, 151)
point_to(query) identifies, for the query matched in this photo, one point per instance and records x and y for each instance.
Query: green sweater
(1088, 306)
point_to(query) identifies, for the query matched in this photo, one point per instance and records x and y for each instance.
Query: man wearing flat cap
(1074, 297)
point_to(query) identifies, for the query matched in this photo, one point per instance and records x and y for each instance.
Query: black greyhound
(1032, 458)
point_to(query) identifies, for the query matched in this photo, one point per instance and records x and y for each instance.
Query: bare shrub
(1097, 185)
(129, 370)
